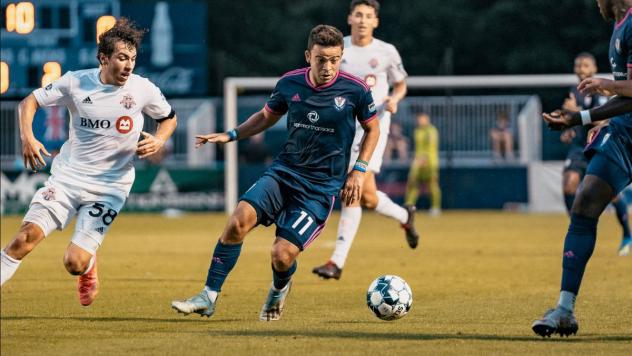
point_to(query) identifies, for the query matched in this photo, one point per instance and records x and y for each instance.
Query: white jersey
(105, 125)
(379, 65)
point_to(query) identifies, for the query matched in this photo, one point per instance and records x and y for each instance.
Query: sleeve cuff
(270, 110)
(369, 119)
(171, 115)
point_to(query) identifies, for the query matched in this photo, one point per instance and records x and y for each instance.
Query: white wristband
(586, 119)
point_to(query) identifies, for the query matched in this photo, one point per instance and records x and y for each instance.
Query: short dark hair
(326, 36)
(586, 55)
(372, 3)
(124, 31)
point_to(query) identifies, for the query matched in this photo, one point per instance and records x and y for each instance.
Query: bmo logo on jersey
(124, 124)
(95, 124)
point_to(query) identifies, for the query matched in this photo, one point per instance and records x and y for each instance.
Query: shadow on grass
(417, 336)
(121, 319)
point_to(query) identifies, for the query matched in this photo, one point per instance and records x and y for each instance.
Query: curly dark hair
(326, 36)
(124, 30)
(372, 3)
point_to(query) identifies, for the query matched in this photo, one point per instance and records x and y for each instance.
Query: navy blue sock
(281, 279)
(224, 259)
(578, 247)
(568, 201)
(622, 214)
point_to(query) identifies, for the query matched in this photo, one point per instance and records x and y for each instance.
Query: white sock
(386, 207)
(347, 228)
(90, 264)
(8, 266)
(211, 294)
(567, 300)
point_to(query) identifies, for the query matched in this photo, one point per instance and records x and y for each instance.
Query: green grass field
(478, 278)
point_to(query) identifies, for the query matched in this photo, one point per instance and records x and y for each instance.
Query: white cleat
(556, 321)
(199, 304)
(275, 303)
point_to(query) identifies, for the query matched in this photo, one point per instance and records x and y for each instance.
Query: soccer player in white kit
(93, 173)
(379, 64)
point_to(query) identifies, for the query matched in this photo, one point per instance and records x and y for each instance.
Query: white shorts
(54, 206)
(375, 164)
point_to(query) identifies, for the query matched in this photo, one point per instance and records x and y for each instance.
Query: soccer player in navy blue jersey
(298, 190)
(577, 137)
(608, 173)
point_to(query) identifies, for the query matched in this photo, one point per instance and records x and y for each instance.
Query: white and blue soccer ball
(389, 297)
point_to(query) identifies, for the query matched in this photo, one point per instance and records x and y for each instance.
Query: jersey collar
(322, 86)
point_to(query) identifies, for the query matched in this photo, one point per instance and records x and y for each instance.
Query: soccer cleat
(556, 321)
(88, 285)
(412, 237)
(626, 245)
(199, 304)
(328, 270)
(275, 302)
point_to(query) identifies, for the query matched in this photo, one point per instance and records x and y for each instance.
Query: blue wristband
(359, 167)
(233, 134)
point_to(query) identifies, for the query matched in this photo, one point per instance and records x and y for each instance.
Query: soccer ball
(389, 297)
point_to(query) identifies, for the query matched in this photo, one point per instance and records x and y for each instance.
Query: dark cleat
(328, 270)
(412, 237)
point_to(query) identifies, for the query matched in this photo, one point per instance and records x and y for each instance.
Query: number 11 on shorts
(300, 219)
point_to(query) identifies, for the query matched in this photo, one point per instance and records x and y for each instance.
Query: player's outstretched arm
(606, 87)
(151, 144)
(32, 149)
(561, 119)
(257, 122)
(352, 190)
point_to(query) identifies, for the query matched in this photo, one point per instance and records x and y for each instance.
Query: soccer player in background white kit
(93, 173)
(378, 63)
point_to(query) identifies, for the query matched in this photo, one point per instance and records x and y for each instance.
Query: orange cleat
(88, 285)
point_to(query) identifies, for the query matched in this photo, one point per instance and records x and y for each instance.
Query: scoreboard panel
(40, 40)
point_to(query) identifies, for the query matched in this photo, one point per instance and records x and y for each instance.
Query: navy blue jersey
(320, 124)
(621, 60)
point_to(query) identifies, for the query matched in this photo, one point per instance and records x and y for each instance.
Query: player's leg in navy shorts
(267, 197)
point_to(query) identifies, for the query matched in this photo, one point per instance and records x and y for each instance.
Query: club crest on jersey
(128, 101)
(370, 80)
(374, 63)
(49, 194)
(339, 102)
(49, 86)
(312, 116)
(124, 124)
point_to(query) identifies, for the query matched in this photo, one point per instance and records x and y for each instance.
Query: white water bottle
(161, 36)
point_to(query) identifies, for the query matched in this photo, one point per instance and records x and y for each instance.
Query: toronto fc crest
(128, 101)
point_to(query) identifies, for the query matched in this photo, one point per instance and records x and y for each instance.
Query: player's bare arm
(561, 119)
(256, 123)
(32, 149)
(352, 190)
(606, 87)
(151, 144)
(399, 92)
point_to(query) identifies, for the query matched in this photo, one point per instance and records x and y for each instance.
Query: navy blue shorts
(576, 161)
(611, 157)
(300, 215)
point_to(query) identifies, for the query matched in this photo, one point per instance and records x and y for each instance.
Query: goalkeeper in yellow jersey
(425, 166)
